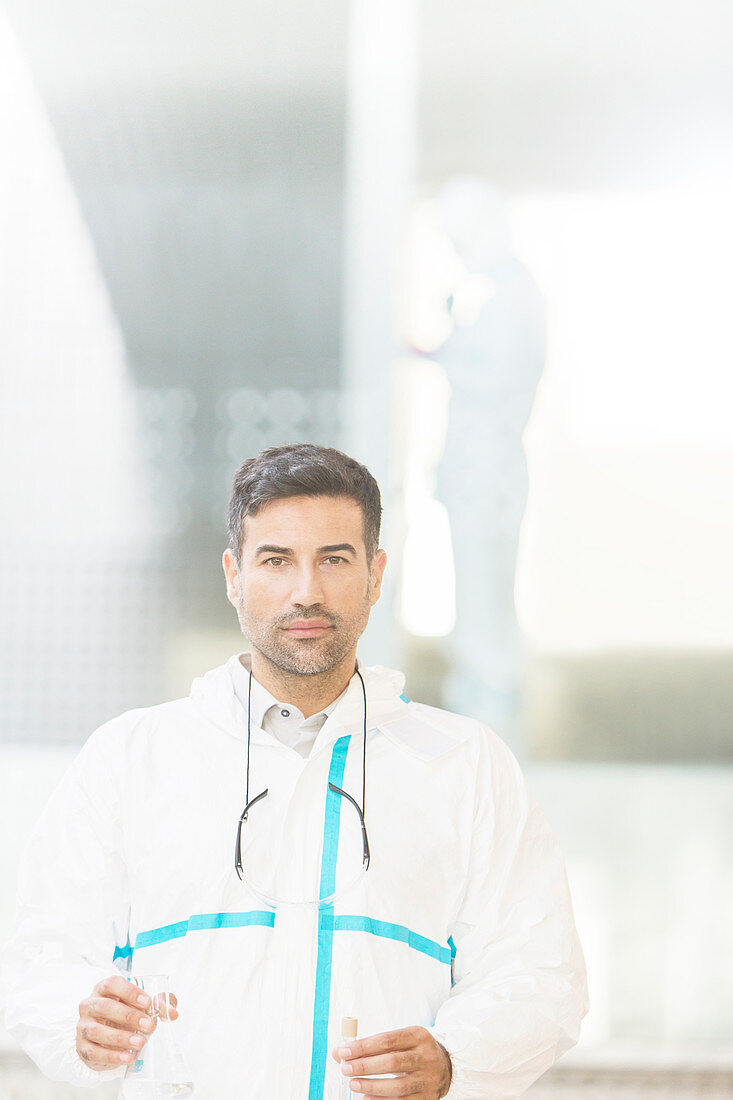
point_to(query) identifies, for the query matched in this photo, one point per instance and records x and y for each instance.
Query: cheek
(356, 605)
(259, 597)
(347, 591)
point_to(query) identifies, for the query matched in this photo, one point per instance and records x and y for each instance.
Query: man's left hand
(424, 1064)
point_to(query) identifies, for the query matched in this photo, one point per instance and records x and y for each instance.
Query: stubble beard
(305, 656)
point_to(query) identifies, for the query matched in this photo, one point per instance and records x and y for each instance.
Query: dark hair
(302, 469)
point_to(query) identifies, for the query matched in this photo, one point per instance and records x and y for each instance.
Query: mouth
(303, 631)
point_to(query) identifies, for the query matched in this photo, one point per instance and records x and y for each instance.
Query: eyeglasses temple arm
(354, 803)
(238, 847)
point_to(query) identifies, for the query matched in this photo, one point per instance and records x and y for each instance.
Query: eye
(268, 561)
(335, 557)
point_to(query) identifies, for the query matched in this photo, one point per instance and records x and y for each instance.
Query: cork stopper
(349, 1027)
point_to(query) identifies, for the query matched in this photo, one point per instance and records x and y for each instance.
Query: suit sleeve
(71, 911)
(519, 984)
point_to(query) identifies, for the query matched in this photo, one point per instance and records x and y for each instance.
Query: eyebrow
(266, 548)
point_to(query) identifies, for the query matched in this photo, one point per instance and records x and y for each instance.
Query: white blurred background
(483, 247)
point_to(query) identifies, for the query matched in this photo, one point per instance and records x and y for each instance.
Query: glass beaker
(159, 1070)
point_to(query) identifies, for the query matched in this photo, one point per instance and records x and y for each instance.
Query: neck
(309, 693)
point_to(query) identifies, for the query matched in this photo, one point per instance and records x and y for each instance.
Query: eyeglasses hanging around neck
(319, 901)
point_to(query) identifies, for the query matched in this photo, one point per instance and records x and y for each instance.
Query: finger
(165, 1005)
(406, 1061)
(122, 990)
(405, 1038)
(112, 1038)
(387, 1086)
(98, 1057)
(104, 1010)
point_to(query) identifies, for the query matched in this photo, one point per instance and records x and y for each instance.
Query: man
(296, 842)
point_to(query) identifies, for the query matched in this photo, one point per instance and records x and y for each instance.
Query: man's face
(304, 591)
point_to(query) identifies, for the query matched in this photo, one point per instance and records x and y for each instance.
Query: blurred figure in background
(493, 357)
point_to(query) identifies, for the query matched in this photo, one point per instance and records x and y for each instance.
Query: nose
(307, 587)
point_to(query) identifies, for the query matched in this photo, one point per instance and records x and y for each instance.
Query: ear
(377, 572)
(232, 576)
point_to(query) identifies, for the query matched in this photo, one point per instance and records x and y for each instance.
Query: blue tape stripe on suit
(393, 932)
(404, 698)
(198, 922)
(347, 923)
(322, 999)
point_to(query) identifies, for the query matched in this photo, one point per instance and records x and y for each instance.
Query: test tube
(349, 1030)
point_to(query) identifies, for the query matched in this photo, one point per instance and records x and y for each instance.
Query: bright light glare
(628, 535)
(427, 589)
(638, 288)
(428, 602)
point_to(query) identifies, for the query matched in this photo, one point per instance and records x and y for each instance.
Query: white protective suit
(463, 923)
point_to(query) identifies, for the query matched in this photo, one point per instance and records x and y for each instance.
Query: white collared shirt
(282, 720)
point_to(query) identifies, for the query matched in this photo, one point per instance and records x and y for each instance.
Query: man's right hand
(113, 1021)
